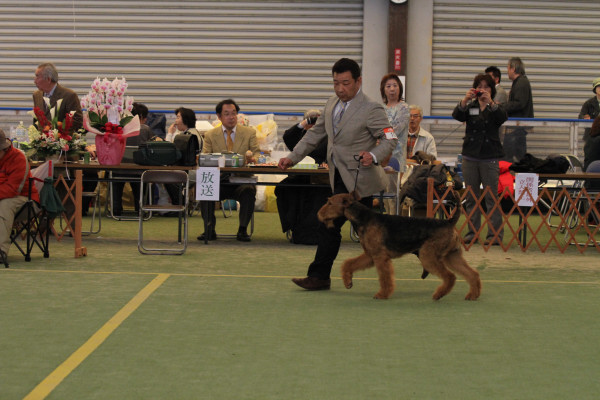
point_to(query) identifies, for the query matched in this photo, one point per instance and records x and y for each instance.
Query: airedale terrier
(384, 237)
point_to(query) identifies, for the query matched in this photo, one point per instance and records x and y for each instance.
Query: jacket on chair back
(14, 174)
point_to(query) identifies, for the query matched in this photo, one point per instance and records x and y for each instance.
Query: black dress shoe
(211, 236)
(243, 237)
(312, 283)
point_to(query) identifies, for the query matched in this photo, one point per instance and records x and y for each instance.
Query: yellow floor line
(206, 275)
(44, 388)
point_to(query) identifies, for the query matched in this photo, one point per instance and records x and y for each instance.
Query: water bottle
(459, 160)
(261, 158)
(12, 136)
(21, 134)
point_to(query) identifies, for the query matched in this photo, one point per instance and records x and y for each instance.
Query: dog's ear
(354, 196)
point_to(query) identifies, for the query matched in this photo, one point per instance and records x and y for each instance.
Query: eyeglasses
(415, 115)
(229, 114)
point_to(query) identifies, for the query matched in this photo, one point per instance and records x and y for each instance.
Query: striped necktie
(338, 117)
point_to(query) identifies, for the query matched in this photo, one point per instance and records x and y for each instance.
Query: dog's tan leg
(385, 269)
(433, 262)
(354, 264)
(448, 280)
(458, 264)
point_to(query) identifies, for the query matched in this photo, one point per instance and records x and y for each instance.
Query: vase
(55, 158)
(73, 156)
(110, 149)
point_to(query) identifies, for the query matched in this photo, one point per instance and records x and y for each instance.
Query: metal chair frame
(32, 222)
(573, 186)
(110, 204)
(177, 177)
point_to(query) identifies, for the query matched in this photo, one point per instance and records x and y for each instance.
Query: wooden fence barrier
(562, 217)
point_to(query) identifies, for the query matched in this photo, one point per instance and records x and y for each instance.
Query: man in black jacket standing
(519, 105)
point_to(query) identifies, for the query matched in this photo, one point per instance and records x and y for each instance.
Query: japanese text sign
(207, 183)
(527, 182)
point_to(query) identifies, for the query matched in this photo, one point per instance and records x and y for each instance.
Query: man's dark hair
(139, 109)
(219, 107)
(345, 64)
(488, 79)
(188, 117)
(495, 72)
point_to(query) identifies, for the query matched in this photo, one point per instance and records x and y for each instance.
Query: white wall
(375, 43)
(419, 56)
(419, 59)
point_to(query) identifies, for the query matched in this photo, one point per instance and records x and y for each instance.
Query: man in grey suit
(46, 80)
(359, 136)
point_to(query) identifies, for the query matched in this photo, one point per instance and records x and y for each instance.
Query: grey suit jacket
(362, 125)
(245, 139)
(70, 103)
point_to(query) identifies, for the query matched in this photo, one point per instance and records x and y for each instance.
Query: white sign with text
(207, 183)
(529, 182)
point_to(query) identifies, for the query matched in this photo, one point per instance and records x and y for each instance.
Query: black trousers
(515, 144)
(330, 239)
(117, 192)
(245, 194)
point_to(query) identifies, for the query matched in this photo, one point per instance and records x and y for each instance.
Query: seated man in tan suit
(233, 138)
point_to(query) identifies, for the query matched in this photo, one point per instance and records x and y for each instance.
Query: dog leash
(357, 158)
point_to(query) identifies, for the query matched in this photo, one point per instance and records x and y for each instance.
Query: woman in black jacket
(481, 152)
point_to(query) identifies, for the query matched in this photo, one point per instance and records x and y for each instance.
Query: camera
(478, 93)
(311, 120)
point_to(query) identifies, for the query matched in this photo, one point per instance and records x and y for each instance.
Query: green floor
(227, 323)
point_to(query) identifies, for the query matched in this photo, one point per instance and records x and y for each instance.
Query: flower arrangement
(109, 117)
(107, 106)
(48, 137)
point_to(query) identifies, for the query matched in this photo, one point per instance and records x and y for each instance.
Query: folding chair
(573, 186)
(132, 180)
(177, 177)
(31, 227)
(586, 207)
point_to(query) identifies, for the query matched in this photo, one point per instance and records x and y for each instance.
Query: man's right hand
(285, 163)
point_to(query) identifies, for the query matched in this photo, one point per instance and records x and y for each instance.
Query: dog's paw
(381, 296)
(471, 296)
(347, 282)
(438, 295)
(347, 279)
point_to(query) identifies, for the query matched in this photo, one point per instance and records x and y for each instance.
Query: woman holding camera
(398, 114)
(481, 152)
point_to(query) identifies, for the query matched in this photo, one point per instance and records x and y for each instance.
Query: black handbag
(188, 145)
(157, 153)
